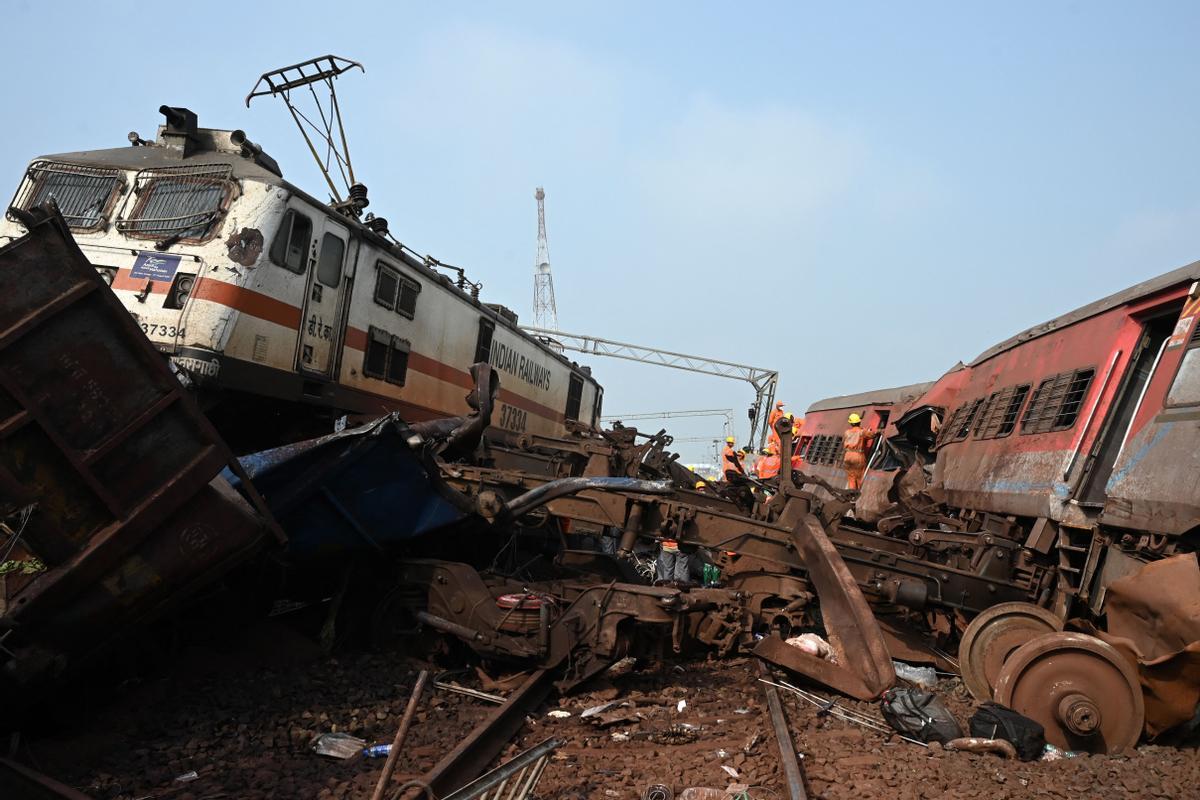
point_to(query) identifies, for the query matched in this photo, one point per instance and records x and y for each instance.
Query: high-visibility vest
(855, 439)
(767, 467)
(729, 461)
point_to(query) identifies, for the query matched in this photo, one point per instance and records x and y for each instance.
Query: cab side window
(329, 263)
(290, 248)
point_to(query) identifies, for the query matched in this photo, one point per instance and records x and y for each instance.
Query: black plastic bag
(919, 715)
(994, 721)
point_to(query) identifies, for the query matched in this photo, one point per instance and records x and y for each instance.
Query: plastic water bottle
(377, 751)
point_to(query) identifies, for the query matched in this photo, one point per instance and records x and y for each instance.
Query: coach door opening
(1108, 445)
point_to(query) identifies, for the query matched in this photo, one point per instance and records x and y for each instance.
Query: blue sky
(857, 197)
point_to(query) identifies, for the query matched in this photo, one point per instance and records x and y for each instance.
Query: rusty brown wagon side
(109, 473)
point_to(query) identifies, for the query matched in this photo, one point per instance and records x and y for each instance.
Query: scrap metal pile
(122, 506)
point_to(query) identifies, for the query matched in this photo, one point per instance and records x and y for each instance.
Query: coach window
(802, 446)
(1185, 389)
(329, 263)
(574, 397)
(290, 248)
(1057, 401)
(999, 415)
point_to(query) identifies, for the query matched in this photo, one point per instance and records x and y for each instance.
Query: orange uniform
(767, 467)
(773, 437)
(856, 442)
(731, 462)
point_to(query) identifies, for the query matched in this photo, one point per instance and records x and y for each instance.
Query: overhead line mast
(545, 311)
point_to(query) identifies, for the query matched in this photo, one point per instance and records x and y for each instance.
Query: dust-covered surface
(247, 729)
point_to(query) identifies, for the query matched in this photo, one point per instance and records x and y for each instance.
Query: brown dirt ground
(247, 732)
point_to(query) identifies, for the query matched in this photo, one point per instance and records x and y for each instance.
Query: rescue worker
(775, 414)
(769, 465)
(731, 461)
(673, 566)
(700, 486)
(797, 427)
(857, 442)
(772, 434)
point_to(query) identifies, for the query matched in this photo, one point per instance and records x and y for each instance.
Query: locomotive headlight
(180, 290)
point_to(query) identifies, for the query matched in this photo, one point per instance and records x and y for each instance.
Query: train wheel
(1082, 691)
(993, 636)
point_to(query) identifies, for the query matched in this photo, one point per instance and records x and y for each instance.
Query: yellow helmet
(767, 451)
(855, 419)
(729, 440)
(790, 415)
(699, 485)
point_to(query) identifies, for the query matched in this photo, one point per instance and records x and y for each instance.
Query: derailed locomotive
(283, 311)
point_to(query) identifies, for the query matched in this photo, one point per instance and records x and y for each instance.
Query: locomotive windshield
(180, 202)
(83, 194)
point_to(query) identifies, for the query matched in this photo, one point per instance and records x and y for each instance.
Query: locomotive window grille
(387, 284)
(1185, 388)
(329, 262)
(292, 241)
(839, 450)
(816, 447)
(84, 195)
(1056, 402)
(999, 416)
(396, 292)
(574, 397)
(180, 203)
(386, 357)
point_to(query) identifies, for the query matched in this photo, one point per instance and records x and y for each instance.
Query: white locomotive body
(260, 293)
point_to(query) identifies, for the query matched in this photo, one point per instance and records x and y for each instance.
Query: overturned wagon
(109, 474)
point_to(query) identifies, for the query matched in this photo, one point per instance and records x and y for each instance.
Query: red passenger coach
(1050, 418)
(825, 422)
(1078, 439)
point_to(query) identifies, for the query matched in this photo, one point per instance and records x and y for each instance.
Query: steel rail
(783, 737)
